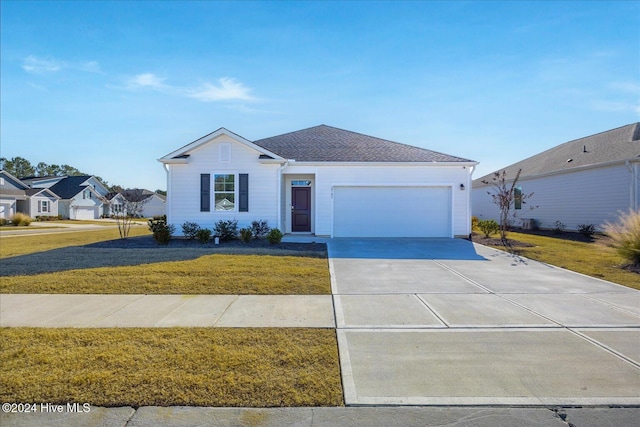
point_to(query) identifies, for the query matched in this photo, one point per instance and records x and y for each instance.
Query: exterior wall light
(462, 186)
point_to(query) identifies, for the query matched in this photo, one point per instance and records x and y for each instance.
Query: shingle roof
(328, 144)
(70, 186)
(614, 145)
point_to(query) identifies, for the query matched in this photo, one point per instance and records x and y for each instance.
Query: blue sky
(109, 87)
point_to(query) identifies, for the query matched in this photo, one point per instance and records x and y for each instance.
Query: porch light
(462, 186)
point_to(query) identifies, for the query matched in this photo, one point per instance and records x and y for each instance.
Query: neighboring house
(154, 203)
(323, 181)
(16, 196)
(586, 181)
(81, 197)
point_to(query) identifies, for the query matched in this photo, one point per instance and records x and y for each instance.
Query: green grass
(168, 367)
(594, 259)
(207, 274)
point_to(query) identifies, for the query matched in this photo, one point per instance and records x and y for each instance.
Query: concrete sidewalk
(447, 322)
(153, 416)
(104, 311)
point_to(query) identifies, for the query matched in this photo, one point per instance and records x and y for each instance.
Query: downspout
(469, 199)
(633, 202)
(280, 190)
(168, 205)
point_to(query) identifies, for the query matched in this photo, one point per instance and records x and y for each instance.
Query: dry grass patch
(594, 259)
(168, 367)
(207, 274)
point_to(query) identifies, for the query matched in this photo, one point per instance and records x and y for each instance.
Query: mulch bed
(147, 242)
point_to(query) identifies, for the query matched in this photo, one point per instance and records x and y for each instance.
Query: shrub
(586, 229)
(3, 221)
(226, 229)
(488, 227)
(274, 236)
(21, 220)
(162, 231)
(245, 234)
(625, 236)
(203, 235)
(260, 228)
(190, 230)
(559, 227)
(474, 222)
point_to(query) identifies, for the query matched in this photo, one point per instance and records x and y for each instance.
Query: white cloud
(227, 89)
(146, 80)
(628, 86)
(35, 65)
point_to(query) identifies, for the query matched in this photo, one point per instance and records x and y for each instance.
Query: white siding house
(323, 181)
(585, 181)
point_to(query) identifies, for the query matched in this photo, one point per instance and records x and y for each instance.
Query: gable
(9, 182)
(220, 136)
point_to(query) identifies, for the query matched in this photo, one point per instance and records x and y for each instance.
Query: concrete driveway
(448, 322)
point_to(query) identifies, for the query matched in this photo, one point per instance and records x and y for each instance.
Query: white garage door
(392, 212)
(85, 213)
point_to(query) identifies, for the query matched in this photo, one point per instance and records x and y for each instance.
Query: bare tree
(126, 206)
(505, 195)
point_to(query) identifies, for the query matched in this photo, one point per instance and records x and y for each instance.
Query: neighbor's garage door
(392, 212)
(86, 213)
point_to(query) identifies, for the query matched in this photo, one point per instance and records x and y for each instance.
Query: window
(517, 197)
(43, 206)
(86, 194)
(304, 183)
(224, 192)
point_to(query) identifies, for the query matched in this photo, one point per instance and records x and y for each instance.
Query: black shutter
(205, 192)
(244, 193)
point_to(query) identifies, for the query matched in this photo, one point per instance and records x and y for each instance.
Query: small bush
(488, 227)
(3, 221)
(587, 230)
(260, 228)
(559, 227)
(625, 236)
(21, 220)
(226, 229)
(190, 230)
(203, 235)
(474, 222)
(162, 231)
(245, 234)
(274, 236)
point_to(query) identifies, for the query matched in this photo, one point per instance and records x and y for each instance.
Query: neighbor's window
(224, 190)
(517, 197)
(43, 206)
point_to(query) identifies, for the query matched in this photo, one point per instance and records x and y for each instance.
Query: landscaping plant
(260, 228)
(625, 236)
(20, 220)
(275, 236)
(506, 196)
(488, 227)
(190, 230)
(245, 234)
(587, 230)
(162, 231)
(226, 229)
(203, 235)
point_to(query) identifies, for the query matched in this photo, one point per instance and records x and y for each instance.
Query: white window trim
(235, 191)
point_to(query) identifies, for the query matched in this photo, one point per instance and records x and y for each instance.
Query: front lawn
(169, 367)
(206, 274)
(594, 259)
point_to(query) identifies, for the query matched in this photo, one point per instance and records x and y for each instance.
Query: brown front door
(300, 209)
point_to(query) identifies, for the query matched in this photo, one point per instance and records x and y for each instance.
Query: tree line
(21, 168)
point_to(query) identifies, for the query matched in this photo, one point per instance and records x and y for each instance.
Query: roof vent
(584, 149)
(570, 160)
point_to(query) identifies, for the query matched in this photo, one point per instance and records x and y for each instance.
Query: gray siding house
(585, 181)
